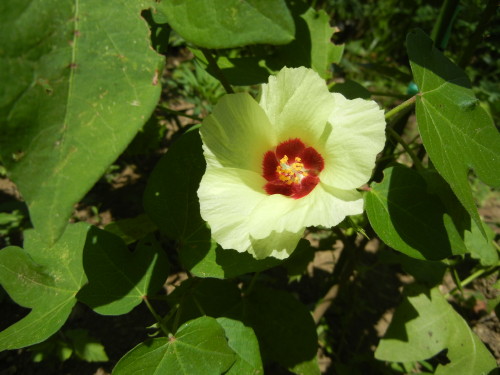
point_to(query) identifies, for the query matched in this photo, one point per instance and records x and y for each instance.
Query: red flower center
(292, 169)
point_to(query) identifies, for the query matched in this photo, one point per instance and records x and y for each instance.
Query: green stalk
(441, 31)
(394, 114)
(156, 316)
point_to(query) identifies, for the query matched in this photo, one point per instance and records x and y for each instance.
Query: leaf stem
(394, 114)
(212, 63)
(471, 278)
(416, 161)
(156, 316)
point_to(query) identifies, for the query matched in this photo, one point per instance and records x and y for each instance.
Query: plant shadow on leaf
(119, 279)
(408, 206)
(436, 63)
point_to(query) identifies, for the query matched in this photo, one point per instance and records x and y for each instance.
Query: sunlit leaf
(244, 343)
(457, 132)
(44, 278)
(425, 324)
(229, 23)
(79, 79)
(198, 347)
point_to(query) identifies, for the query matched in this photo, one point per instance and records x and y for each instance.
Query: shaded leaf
(118, 280)
(229, 23)
(457, 132)
(86, 347)
(425, 324)
(133, 229)
(198, 347)
(401, 210)
(79, 79)
(244, 343)
(284, 327)
(44, 278)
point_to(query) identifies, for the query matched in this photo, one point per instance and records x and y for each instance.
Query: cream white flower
(291, 161)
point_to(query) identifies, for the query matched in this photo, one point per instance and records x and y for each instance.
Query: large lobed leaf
(425, 324)
(198, 347)
(229, 23)
(45, 279)
(457, 132)
(79, 80)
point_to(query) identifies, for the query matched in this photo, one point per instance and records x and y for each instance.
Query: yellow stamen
(291, 173)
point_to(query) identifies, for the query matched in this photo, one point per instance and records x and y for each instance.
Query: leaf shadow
(409, 207)
(113, 272)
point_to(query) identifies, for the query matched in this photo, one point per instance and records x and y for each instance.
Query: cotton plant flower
(290, 161)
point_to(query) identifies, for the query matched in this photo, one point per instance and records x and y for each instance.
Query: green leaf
(351, 90)
(79, 79)
(425, 324)
(133, 229)
(480, 247)
(170, 198)
(323, 51)
(197, 297)
(312, 46)
(230, 23)
(198, 347)
(44, 278)
(86, 347)
(243, 342)
(118, 280)
(171, 201)
(283, 325)
(457, 132)
(400, 211)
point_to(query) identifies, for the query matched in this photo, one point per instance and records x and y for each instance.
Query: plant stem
(471, 278)
(217, 71)
(394, 114)
(416, 161)
(441, 30)
(156, 316)
(475, 39)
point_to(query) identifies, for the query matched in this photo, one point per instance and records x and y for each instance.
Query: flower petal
(298, 104)
(277, 245)
(276, 218)
(358, 135)
(227, 197)
(237, 134)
